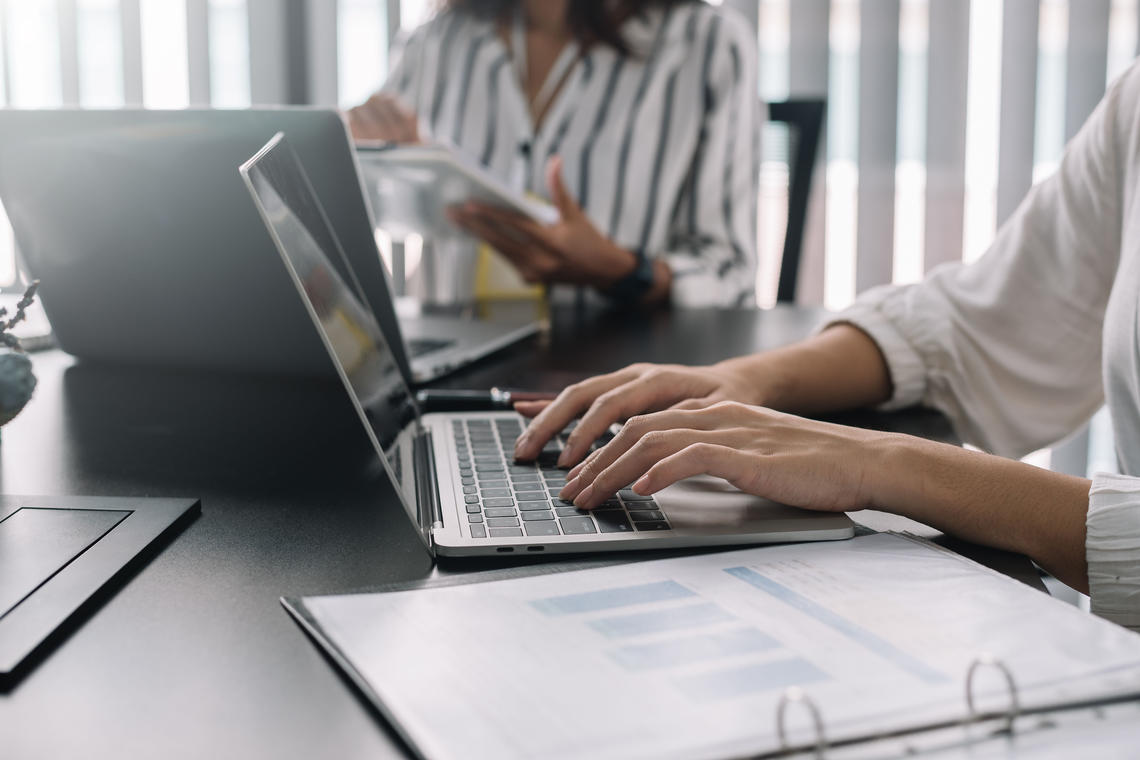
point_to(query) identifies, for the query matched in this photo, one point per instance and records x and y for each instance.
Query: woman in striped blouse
(638, 119)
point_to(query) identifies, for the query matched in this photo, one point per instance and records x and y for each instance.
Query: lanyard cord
(558, 71)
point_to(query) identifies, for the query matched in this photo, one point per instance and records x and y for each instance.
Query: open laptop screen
(307, 243)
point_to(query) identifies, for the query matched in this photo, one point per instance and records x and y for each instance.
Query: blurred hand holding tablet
(412, 186)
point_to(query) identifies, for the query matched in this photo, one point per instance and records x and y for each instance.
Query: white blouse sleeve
(712, 237)
(1112, 548)
(1009, 347)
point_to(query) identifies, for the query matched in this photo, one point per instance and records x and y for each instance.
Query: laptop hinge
(429, 510)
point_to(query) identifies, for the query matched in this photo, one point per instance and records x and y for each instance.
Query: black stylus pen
(447, 400)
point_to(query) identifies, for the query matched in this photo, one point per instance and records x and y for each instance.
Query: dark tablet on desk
(58, 552)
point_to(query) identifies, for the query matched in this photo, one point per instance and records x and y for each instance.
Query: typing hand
(383, 117)
(805, 463)
(571, 250)
(639, 388)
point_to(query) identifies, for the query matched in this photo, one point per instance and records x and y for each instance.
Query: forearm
(840, 368)
(987, 499)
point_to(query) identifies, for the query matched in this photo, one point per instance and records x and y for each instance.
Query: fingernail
(568, 456)
(570, 490)
(584, 497)
(642, 485)
(575, 471)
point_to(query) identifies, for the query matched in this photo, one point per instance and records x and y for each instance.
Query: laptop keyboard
(507, 499)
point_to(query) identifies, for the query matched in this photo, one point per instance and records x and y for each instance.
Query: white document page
(689, 657)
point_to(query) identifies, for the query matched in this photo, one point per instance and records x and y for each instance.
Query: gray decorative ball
(16, 384)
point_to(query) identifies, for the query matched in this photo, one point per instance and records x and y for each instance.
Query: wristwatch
(633, 287)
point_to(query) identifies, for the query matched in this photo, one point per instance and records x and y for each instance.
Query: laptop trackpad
(711, 505)
(36, 543)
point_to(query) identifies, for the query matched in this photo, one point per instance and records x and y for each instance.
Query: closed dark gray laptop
(145, 242)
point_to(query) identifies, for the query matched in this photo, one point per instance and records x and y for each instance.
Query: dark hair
(590, 21)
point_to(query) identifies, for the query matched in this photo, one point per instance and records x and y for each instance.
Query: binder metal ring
(796, 694)
(987, 660)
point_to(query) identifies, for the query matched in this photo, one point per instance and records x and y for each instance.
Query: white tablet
(413, 186)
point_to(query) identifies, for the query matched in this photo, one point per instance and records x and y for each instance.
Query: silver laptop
(454, 472)
(136, 216)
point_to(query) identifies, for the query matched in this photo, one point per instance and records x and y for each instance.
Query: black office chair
(804, 118)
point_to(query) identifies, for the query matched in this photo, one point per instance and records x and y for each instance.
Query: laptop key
(479, 531)
(526, 477)
(502, 522)
(535, 486)
(500, 512)
(561, 502)
(490, 483)
(498, 502)
(577, 526)
(537, 515)
(628, 495)
(506, 532)
(496, 493)
(470, 489)
(467, 481)
(533, 506)
(474, 509)
(471, 499)
(476, 518)
(543, 528)
(653, 525)
(539, 496)
(612, 522)
(647, 515)
(570, 512)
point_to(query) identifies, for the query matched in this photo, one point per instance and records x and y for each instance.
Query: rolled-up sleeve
(1009, 347)
(1112, 548)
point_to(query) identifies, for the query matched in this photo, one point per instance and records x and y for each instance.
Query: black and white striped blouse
(660, 148)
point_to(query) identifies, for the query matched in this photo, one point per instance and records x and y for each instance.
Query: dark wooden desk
(192, 656)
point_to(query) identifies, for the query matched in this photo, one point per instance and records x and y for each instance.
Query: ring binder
(988, 660)
(796, 694)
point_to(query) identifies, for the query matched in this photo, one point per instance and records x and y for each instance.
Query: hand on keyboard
(601, 401)
(508, 499)
(801, 462)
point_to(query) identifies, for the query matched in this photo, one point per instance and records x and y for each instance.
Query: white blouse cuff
(908, 374)
(1112, 548)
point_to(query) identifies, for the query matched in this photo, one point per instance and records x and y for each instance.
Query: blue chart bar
(612, 598)
(658, 621)
(726, 684)
(856, 633)
(685, 651)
